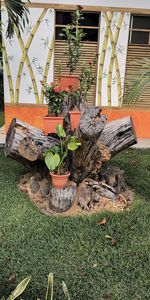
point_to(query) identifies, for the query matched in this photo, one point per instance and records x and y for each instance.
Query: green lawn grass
(2, 121)
(76, 249)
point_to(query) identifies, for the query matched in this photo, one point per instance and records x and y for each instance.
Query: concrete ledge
(2, 136)
(142, 144)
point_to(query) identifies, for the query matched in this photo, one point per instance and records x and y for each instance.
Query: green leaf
(73, 144)
(50, 285)
(55, 149)
(20, 288)
(60, 131)
(52, 160)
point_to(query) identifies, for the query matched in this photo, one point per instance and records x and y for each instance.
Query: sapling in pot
(54, 97)
(55, 157)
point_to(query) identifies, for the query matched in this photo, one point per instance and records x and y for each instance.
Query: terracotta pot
(74, 119)
(70, 82)
(59, 181)
(50, 123)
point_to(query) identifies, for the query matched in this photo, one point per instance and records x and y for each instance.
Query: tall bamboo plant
(138, 81)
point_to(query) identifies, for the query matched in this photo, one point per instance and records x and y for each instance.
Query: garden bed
(77, 250)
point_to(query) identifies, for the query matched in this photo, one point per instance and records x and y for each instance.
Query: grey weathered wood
(92, 123)
(62, 199)
(114, 177)
(88, 160)
(91, 191)
(26, 144)
(118, 135)
(115, 136)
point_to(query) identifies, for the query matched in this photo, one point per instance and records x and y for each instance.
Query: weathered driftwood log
(98, 144)
(62, 199)
(88, 159)
(118, 135)
(113, 177)
(99, 141)
(26, 144)
(91, 191)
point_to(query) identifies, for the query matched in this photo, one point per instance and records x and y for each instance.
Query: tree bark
(26, 144)
(99, 141)
(118, 135)
(62, 199)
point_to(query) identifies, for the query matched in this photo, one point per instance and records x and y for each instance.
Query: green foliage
(73, 36)
(2, 118)
(54, 97)
(139, 80)
(52, 160)
(56, 155)
(17, 15)
(60, 131)
(86, 80)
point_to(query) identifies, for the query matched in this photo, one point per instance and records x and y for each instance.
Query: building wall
(28, 59)
(109, 3)
(114, 31)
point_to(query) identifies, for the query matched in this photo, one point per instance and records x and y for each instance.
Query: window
(90, 25)
(140, 30)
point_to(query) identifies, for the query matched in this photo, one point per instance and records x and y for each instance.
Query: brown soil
(42, 202)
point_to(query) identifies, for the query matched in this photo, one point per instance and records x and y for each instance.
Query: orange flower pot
(50, 123)
(70, 82)
(75, 116)
(59, 181)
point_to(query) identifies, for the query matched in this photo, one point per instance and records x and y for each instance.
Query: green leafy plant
(73, 36)
(55, 157)
(17, 15)
(54, 96)
(86, 80)
(139, 80)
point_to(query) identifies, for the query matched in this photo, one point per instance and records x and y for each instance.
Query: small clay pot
(75, 116)
(59, 181)
(50, 123)
(70, 82)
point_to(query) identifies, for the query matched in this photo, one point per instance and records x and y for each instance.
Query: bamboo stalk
(29, 66)
(8, 72)
(47, 65)
(102, 58)
(114, 59)
(24, 55)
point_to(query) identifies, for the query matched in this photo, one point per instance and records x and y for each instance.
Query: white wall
(121, 54)
(37, 54)
(106, 3)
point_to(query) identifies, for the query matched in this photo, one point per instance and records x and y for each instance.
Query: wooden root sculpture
(100, 140)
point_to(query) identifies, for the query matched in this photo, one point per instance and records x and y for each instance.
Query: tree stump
(100, 140)
(61, 200)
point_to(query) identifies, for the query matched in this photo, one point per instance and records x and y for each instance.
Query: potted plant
(55, 157)
(73, 37)
(54, 96)
(86, 80)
